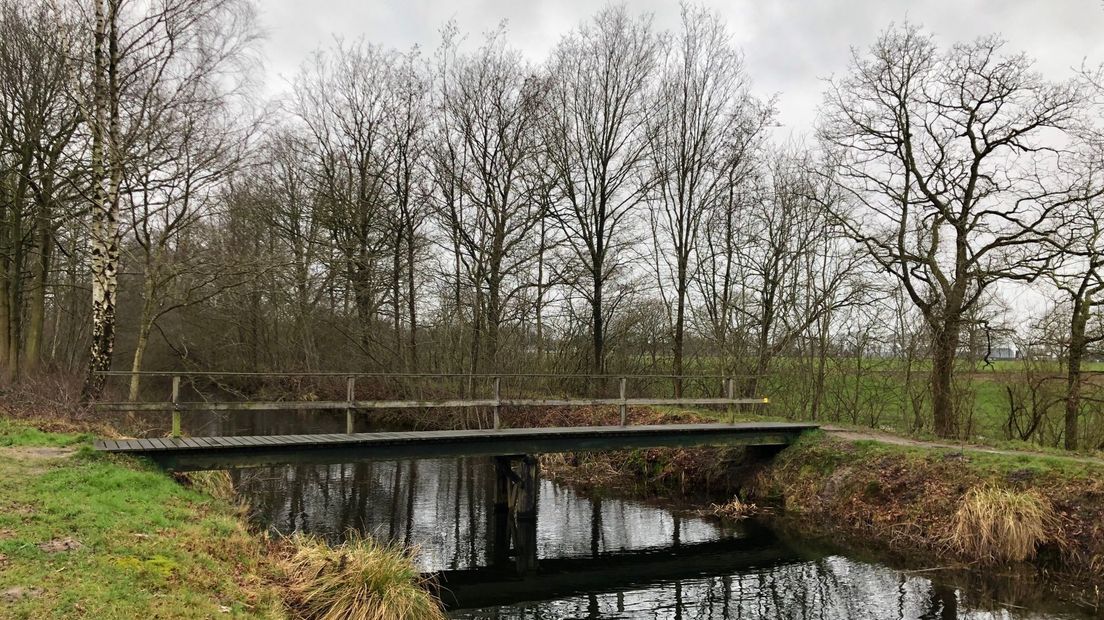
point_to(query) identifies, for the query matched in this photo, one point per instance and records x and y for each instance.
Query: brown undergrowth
(974, 507)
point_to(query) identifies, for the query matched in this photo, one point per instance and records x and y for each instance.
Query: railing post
(624, 405)
(730, 391)
(497, 401)
(176, 406)
(350, 398)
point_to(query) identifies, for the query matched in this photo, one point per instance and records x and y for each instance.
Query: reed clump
(994, 524)
(360, 579)
(734, 510)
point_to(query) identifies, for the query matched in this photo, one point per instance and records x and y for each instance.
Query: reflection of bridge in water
(516, 573)
(594, 558)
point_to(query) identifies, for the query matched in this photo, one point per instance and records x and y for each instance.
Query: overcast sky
(790, 45)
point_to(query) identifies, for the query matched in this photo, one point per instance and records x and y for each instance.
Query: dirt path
(852, 435)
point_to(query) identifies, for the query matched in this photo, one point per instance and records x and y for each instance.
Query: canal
(599, 556)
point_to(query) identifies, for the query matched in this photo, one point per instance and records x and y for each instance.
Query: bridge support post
(503, 474)
(525, 544)
(525, 506)
(176, 406)
(350, 398)
(517, 487)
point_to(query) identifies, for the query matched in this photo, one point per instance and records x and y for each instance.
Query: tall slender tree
(700, 138)
(598, 82)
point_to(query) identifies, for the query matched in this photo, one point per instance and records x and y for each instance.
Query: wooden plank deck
(244, 451)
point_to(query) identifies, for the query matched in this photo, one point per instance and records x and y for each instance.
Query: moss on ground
(83, 535)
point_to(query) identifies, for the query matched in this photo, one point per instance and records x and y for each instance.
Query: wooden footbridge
(191, 453)
(219, 452)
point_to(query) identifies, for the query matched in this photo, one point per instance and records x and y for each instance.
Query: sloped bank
(87, 535)
(972, 506)
(914, 506)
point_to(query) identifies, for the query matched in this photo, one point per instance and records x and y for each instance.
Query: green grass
(149, 547)
(15, 434)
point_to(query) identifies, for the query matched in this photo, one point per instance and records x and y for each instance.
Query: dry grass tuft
(1000, 525)
(216, 483)
(358, 580)
(735, 509)
(585, 470)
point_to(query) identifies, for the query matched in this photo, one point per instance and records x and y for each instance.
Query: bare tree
(944, 156)
(489, 110)
(597, 109)
(1079, 277)
(344, 99)
(38, 138)
(699, 138)
(143, 65)
(172, 193)
(408, 130)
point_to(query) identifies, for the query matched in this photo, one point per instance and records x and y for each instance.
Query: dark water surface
(589, 557)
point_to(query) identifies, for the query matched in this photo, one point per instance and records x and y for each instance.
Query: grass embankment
(974, 506)
(969, 505)
(85, 535)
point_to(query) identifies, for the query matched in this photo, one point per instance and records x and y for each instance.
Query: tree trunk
(540, 295)
(106, 176)
(145, 324)
(598, 331)
(363, 298)
(411, 299)
(36, 312)
(5, 309)
(1078, 344)
(680, 326)
(494, 322)
(944, 349)
(821, 368)
(396, 298)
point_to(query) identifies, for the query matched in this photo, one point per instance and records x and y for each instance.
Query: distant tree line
(619, 207)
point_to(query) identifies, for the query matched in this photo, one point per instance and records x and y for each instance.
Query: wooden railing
(495, 401)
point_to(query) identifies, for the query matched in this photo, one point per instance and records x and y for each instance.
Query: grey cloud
(789, 44)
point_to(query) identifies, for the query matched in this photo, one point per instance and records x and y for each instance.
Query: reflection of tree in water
(441, 509)
(830, 588)
(445, 508)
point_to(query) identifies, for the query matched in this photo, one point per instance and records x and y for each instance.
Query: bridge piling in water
(517, 484)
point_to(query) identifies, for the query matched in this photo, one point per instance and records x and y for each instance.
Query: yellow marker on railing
(766, 400)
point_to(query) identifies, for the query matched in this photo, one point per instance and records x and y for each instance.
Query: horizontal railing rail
(351, 404)
(411, 375)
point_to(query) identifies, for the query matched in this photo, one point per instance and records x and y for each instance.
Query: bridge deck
(220, 452)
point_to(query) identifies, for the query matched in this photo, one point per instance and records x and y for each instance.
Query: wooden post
(528, 488)
(502, 469)
(497, 399)
(730, 390)
(350, 398)
(624, 406)
(176, 406)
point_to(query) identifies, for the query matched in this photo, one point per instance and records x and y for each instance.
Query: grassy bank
(964, 506)
(84, 535)
(973, 506)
